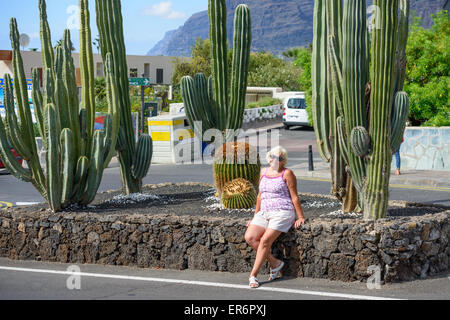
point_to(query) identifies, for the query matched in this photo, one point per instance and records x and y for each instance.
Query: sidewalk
(422, 178)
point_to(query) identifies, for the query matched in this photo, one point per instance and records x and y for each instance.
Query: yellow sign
(164, 123)
(187, 133)
(160, 136)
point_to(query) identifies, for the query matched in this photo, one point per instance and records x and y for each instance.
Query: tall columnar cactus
(326, 104)
(134, 158)
(215, 102)
(372, 110)
(75, 155)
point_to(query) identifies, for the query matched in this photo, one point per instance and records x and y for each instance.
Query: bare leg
(253, 237)
(263, 251)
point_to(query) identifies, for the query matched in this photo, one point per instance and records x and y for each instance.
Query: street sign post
(142, 82)
(139, 81)
(151, 109)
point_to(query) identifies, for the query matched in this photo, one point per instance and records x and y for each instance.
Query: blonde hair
(280, 151)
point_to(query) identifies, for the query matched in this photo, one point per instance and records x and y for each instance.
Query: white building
(158, 68)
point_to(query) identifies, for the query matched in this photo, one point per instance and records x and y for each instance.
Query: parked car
(294, 111)
(19, 159)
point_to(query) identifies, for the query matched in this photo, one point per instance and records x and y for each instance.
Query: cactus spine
(371, 109)
(75, 153)
(214, 102)
(239, 194)
(133, 167)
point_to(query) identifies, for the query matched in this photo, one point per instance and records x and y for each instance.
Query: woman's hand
(299, 222)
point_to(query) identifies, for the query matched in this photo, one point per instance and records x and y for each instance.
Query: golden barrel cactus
(236, 160)
(239, 194)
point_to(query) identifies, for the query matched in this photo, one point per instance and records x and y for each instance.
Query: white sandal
(253, 282)
(275, 273)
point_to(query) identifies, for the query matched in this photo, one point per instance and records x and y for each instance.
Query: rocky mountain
(277, 25)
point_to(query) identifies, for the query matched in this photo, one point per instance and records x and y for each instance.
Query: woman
(398, 160)
(277, 209)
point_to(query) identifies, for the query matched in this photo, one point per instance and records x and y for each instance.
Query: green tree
(200, 62)
(96, 43)
(303, 61)
(427, 73)
(291, 54)
(59, 43)
(101, 103)
(266, 70)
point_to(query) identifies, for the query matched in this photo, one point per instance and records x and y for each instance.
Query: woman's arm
(258, 199)
(258, 203)
(291, 182)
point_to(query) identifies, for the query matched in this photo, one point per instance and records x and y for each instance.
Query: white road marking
(200, 283)
(19, 204)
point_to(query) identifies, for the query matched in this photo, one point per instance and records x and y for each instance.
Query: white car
(294, 111)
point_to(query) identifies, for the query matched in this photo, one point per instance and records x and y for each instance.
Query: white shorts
(281, 220)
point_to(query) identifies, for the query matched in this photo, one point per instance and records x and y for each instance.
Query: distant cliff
(277, 25)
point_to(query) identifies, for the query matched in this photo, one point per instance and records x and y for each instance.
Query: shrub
(264, 102)
(427, 73)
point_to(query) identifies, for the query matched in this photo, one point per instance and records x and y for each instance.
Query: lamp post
(142, 106)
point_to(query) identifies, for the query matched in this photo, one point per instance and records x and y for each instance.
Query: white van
(294, 111)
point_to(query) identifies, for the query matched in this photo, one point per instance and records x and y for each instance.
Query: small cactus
(239, 194)
(360, 141)
(398, 119)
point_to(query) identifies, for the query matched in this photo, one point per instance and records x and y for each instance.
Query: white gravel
(132, 198)
(320, 204)
(341, 214)
(217, 205)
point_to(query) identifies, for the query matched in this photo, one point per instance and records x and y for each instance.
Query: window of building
(100, 69)
(147, 70)
(159, 76)
(78, 76)
(133, 72)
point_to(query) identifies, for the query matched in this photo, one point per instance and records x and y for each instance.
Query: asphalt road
(56, 281)
(296, 141)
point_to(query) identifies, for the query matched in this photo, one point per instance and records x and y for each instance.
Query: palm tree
(59, 44)
(291, 53)
(96, 43)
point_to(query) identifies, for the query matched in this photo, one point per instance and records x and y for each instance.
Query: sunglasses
(273, 157)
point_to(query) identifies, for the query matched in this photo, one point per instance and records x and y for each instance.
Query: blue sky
(145, 21)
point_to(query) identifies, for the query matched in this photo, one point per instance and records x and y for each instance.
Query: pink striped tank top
(275, 194)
